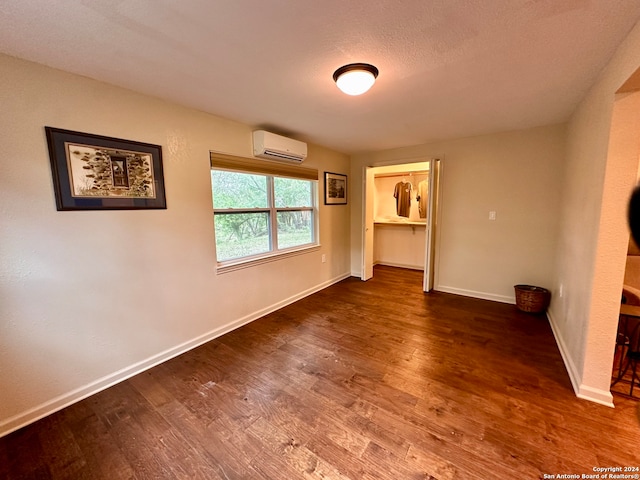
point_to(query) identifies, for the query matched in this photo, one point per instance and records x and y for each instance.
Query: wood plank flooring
(363, 380)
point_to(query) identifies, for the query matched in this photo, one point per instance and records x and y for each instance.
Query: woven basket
(532, 299)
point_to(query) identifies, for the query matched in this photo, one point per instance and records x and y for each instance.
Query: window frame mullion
(273, 213)
(235, 211)
(294, 209)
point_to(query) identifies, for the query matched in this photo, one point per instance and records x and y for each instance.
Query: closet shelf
(411, 224)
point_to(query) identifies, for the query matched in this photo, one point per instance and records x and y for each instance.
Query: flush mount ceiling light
(355, 78)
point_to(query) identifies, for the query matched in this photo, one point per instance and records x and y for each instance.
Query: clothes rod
(401, 174)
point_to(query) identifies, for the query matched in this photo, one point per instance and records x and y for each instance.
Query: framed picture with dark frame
(335, 189)
(94, 172)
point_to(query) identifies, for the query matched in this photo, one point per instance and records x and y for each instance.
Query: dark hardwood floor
(363, 380)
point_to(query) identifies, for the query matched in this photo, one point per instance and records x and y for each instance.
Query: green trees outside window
(256, 215)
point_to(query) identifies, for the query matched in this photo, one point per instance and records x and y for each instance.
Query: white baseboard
(400, 265)
(574, 376)
(58, 403)
(603, 397)
(476, 294)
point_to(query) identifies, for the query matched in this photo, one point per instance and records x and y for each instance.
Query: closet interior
(400, 199)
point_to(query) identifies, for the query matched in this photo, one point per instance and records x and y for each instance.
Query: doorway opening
(400, 217)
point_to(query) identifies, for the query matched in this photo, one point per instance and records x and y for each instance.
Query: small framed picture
(335, 189)
(93, 172)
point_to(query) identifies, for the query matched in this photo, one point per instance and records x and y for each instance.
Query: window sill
(233, 265)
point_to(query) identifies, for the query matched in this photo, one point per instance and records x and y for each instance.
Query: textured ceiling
(448, 68)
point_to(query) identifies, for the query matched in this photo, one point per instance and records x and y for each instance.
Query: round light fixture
(355, 78)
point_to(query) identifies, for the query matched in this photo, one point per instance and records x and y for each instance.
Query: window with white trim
(260, 214)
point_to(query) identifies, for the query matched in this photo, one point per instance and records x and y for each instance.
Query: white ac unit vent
(276, 147)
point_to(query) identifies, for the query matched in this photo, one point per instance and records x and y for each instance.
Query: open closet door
(367, 253)
(432, 206)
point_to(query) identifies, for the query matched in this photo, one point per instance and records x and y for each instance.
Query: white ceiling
(448, 68)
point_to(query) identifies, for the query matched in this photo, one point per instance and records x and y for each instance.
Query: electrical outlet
(561, 292)
(492, 215)
(324, 258)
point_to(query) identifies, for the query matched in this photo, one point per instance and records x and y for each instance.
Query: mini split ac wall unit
(276, 147)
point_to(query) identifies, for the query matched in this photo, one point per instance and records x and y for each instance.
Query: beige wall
(516, 174)
(399, 245)
(89, 298)
(601, 168)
